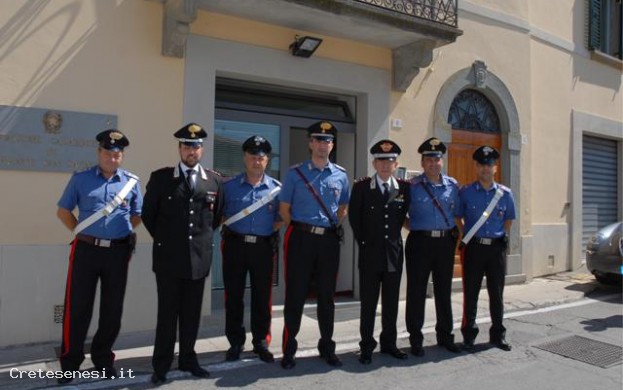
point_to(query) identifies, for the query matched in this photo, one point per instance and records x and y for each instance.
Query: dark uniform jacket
(182, 222)
(377, 225)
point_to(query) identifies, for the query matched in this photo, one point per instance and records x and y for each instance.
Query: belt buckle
(435, 233)
(102, 243)
(250, 239)
(486, 241)
(317, 230)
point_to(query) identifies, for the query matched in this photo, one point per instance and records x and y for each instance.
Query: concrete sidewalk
(133, 351)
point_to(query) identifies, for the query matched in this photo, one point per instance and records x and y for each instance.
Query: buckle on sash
(250, 239)
(485, 241)
(102, 242)
(436, 233)
(317, 230)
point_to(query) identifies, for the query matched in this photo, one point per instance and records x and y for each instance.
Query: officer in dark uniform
(377, 210)
(312, 239)
(485, 252)
(100, 252)
(433, 215)
(249, 246)
(183, 205)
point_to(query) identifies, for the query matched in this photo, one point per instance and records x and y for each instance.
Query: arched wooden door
(474, 123)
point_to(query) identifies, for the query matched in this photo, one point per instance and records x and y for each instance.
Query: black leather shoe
(468, 345)
(502, 344)
(196, 371)
(264, 354)
(158, 379)
(233, 353)
(417, 350)
(365, 357)
(331, 359)
(450, 346)
(395, 352)
(288, 362)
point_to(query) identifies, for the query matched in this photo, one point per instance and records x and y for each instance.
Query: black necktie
(191, 183)
(385, 192)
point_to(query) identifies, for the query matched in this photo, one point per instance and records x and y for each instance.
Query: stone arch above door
(479, 78)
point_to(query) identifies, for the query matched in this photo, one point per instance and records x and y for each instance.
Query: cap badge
(325, 126)
(193, 129)
(486, 150)
(115, 136)
(386, 147)
(258, 140)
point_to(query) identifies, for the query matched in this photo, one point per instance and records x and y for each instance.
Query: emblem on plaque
(52, 121)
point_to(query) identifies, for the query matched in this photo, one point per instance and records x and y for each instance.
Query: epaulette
(131, 175)
(217, 173)
(296, 165)
(453, 181)
(504, 188)
(227, 178)
(362, 179)
(341, 168)
(277, 182)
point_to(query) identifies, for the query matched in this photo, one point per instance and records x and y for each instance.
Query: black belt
(432, 233)
(248, 238)
(487, 241)
(103, 242)
(319, 230)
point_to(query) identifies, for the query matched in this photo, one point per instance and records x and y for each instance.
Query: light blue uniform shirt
(475, 200)
(423, 214)
(331, 184)
(90, 191)
(239, 194)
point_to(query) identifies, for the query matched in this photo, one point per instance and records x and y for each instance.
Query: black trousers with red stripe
(426, 255)
(255, 259)
(479, 261)
(89, 264)
(308, 256)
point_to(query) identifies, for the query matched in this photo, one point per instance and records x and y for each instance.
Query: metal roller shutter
(599, 185)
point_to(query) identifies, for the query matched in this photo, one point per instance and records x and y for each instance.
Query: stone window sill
(607, 59)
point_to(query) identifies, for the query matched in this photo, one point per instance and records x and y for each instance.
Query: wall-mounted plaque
(40, 139)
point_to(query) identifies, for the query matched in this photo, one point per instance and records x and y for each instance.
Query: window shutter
(594, 24)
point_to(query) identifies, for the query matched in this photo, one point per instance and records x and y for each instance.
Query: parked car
(604, 254)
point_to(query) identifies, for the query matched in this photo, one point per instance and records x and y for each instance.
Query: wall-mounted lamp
(304, 46)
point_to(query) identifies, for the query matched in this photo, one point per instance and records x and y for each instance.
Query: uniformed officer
(100, 252)
(313, 202)
(250, 244)
(433, 215)
(485, 253)
(377, 210)
(183, 205)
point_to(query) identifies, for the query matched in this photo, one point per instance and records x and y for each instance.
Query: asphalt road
(526, 367)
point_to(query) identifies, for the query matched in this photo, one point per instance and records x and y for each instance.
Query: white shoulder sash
(109, 208)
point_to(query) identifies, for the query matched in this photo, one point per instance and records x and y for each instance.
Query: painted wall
(104, 57)
(89, 56)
